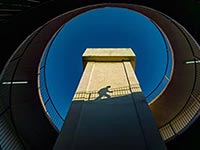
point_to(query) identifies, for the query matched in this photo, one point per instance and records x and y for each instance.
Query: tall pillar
(109, 110)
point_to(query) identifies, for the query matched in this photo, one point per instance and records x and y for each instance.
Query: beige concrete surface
(109, 54)
(113, 67)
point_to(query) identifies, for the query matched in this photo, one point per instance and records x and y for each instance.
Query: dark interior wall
(16, 29)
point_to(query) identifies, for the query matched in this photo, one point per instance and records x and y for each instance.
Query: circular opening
(107, 27)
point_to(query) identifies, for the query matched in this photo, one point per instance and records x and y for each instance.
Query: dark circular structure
(177, 107)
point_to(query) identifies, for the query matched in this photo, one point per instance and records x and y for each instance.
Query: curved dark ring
(181, 92)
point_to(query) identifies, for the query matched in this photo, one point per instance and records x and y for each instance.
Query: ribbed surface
(186, 115)
(116, 92)
(8, 138)
(166, 132)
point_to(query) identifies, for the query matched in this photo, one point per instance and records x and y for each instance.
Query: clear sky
(103, 28)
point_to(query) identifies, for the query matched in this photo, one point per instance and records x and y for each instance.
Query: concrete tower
(109, 110)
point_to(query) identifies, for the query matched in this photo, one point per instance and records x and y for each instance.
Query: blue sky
(103, 28)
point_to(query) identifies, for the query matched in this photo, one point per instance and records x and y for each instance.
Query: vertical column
(109, 119)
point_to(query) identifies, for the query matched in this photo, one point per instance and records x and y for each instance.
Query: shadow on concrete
(123, 122)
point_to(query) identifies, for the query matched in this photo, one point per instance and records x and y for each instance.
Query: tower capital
(109, 55)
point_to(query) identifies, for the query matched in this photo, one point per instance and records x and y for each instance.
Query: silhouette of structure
(104, 120)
